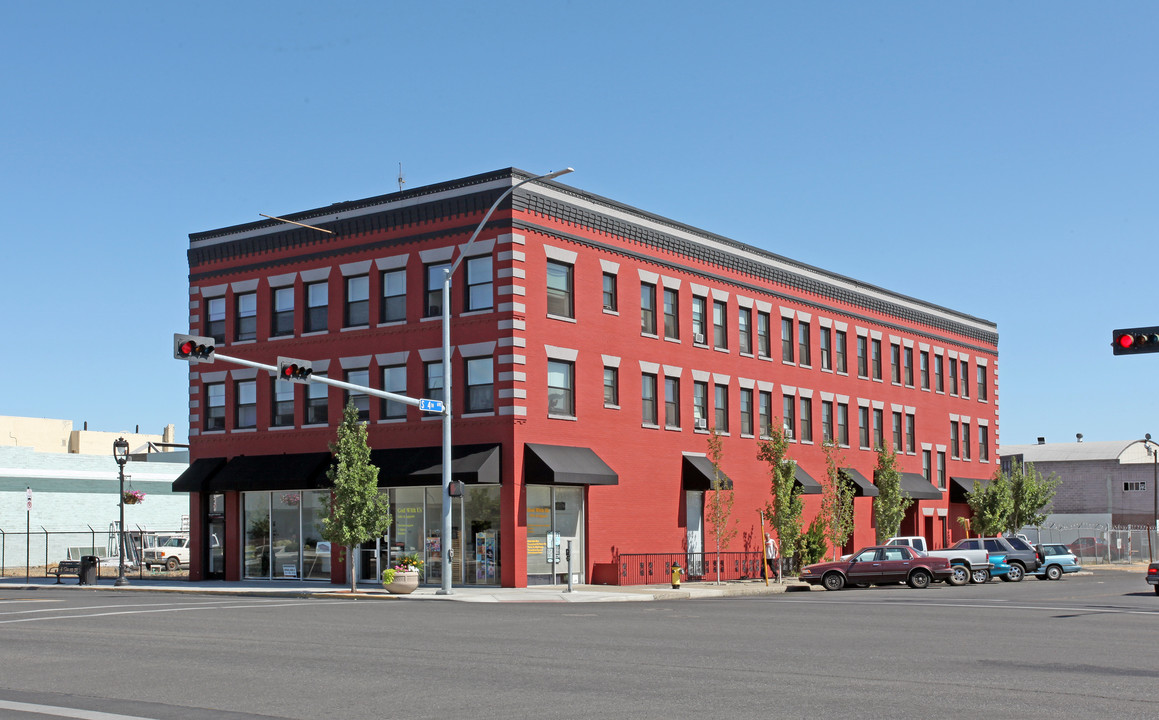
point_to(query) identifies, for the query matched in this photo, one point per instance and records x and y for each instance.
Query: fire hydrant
(677, 571)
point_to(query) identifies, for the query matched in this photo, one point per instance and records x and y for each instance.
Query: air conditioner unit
(698, 338)
(701, 424)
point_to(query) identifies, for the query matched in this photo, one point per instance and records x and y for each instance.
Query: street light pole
(121, 455)
(447, 272)
(1154, 453)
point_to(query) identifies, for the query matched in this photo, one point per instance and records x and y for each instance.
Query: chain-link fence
(1095, 544)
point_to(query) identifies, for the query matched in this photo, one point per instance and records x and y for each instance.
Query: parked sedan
(1057, 561)
(878, 565)
(1153, 576)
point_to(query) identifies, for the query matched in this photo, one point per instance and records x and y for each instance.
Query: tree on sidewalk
(990, 507)
(1029, 494)
(784, 508)
(891, 502)
(719, 507)
(836, 499)
(358, 511)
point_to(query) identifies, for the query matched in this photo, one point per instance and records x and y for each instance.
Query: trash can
(88, 569)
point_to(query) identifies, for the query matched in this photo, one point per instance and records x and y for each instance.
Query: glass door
(214, 550)
(555, 516)
(694, 511)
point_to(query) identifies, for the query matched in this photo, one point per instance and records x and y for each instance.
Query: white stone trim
(477, 349)
(559, 254)
(560, 353)
(609, 267)
(610, 361)
(362, 267)
(394, 262)
(437, 255)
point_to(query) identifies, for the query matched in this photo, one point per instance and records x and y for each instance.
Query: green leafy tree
(891, 502)
(812, 545)
(719, 507)
(1029, 494)
(836, 499)
(784, 508)
(990, 507)
(358, 512)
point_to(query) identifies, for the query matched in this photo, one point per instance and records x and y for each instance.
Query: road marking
(218, 605)
(66, 712)
(1047, 608)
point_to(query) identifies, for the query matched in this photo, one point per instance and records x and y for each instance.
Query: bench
(66, 567)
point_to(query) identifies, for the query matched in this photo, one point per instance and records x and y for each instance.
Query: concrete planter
(405, 582)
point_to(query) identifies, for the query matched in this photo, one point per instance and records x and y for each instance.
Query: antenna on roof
(401, 179)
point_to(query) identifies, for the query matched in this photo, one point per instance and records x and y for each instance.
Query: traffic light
(298, 371)
(1132, 341)
(455, 489)
(193, 347)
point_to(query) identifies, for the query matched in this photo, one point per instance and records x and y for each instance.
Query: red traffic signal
(298, 371)
(193, 347)
(1132, 341)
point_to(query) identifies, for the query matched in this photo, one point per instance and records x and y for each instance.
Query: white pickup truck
(971, 565)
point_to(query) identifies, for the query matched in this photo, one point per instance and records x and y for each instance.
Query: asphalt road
(1082, 647)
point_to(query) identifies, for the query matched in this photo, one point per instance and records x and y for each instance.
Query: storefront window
(481, 515)
(257, 535)
(315, 551)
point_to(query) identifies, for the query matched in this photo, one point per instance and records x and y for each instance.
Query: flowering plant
(291, 498)
(132, 497)
(406, 563)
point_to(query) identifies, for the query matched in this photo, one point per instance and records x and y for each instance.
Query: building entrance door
(694, 512)
(214, 548)
(554, 514)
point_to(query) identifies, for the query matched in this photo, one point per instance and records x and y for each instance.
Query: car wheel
(833, 581)
(1054, 572)
(1017, 572)
(979, 576)
(172, 564)
(919, 579)
(959, 575)
(1157, 589)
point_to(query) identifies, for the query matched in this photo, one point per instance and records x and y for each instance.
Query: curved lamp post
(121, 455)
(447, 502)
(1154, 453)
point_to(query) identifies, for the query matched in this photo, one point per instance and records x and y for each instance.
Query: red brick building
(594, 345)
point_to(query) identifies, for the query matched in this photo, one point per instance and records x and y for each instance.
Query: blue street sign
(435, 406)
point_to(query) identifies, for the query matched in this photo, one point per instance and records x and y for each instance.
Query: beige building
(48, 435)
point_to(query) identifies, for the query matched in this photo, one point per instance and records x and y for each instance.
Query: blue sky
(996, 158)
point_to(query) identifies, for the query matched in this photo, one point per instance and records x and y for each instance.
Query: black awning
(697, 473)
(862, 487)
(194, 477)
(960, 486)
(809, 486)
(565, 465)
(423, 466)
(303, 471)
(918, 487)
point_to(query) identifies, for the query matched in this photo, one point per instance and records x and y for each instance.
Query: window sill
(746, 354)
(570, 418)
(348, 328)
(653, 336)
(244, 430)
(275, 338)
(672, 340)
(488, 413)
(790, 363)
(673, 428)
(391, 421)
(244, 342)
(431, 318)
(609, 311)
(826, 370)
(721, 350)
(805, 366)
(391, 323)
(609, 406)
(700, 345)
(561, 318)
(480, 311)
(314, 333)
(316, 425)
(213, 432)
(276, 428)
(650, 426)
(748, 436)
(768, 358)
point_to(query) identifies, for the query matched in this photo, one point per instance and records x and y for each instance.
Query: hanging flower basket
(133, 497)
(291, 499)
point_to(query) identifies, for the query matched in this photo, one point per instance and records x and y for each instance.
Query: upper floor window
(699, 319)
(719, 325)
(559, 289)
(394, 381)
(926, 469)
(393, 296)
(700, 404)
(839, 350)
(671, 314)
(480, 395)
(965, 379)
(806, 427)
(721, 408)
(560, 387)
(361, 400)
(283, 315)
(434, 289)
(480, 293)
(246, 327)
(876, 346)
(433, 380)
(878, 429)
(214, 406)
(648, 308)
(895, 363)
(744, 318)
(764, 343)
(357, 301)
(765, 412)
(247, 404)
(966, 441)
(863, 427)
(897, 432)
(954, 439)
(982, 389)
(842, 424)
(804, 356)
(789, 416)
(610, 297)
(924, 359)
(215, 319)
(787, 339)
(317, 403)
(672, 402)
(317, 306)
(825, 341)
(648, 401)
(908, 362)
(984, 443)
(941, 471)
(746, 411)
(827, 421)
(910, 440)
(862, 356)
(611, 386)
(282, 407)
(939, 386)
(953, 376)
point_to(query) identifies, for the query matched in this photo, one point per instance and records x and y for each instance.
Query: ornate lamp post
(121, 455)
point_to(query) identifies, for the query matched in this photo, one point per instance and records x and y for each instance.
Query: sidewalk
(542, 593)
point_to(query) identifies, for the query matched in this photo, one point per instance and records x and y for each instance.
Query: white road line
(261, 604)
(66, 712)
(1047, 608)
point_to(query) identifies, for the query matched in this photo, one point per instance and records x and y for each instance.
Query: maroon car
(877, 565)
